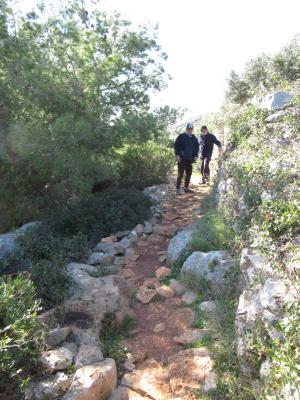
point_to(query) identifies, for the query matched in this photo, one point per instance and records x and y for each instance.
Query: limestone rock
(165, 291)
(190, 336)
(178, 287)
(189, 297)
(162, 258)
(162, 272)
(109, 239)
(123, 393)
(115, 249)
(88, 354)
(276, 100)
(129, 366)
(273, 293)
(148, 380)
(278, 116)
(145, 295)
(148, 228)
(100, 259)
(211, 266)
(49, 388)
(93, 382)
(139, 229)
(178, 245)
(191, 369)
(57, 336)
(58, 359)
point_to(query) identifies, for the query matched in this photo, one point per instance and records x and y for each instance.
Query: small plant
(111, 336)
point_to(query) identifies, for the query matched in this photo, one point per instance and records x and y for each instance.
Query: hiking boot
(178, 192)
(188, 190)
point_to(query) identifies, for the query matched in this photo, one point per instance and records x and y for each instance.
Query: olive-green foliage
(101, 214)
(47, 253)
(279, 217)
(145, 165)
(73, 86)
(20, 331)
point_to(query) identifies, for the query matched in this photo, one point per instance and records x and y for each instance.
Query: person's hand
(178, 159)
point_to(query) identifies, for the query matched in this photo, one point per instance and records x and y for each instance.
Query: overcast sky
(206, 39)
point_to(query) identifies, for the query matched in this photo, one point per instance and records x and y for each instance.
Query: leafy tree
(239, 90)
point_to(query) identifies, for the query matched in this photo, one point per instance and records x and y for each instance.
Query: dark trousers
(187, 168)
(205, 171)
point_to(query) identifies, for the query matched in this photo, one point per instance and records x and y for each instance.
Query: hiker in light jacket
(206, 144)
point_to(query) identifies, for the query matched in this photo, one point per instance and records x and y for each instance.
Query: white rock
(100, 259)
(178, 245)
(50, 388)
(115, 249)
(265, 368)
(57, 336)
(272, 294)
(58, 359)
(276, 117)
(211, 266)
(93, 382)
(148, 228)
(276, 100)
(88, 354)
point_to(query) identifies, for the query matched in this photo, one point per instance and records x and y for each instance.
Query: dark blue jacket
(206, 143)
(186, 146)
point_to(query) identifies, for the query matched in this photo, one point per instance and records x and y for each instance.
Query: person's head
(189, 128)
(204, 130)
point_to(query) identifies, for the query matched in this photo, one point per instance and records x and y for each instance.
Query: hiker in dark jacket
(186, 151)
(206, 144)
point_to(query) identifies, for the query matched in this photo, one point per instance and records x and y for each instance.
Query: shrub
(20, 331)
(145, 165)
(47, 254)
(101, 214)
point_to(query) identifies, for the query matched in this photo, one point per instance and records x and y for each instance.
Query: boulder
(211, 266)
(94, 298)
(50, 388)
(148, 228)
(58, 359)
(93, 382)
(139, 229)
(165, 230)
(115, 249)
(178, 245)
(88, 354)
(57, 336)
(276, 117)
(191, 369)
(273, 294)
(100, 259)
(276, 100)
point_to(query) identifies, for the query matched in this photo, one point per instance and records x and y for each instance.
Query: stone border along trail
(159, 367)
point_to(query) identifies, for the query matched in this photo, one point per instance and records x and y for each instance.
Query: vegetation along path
(159, 364)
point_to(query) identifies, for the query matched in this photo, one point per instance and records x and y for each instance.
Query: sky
(206, 39)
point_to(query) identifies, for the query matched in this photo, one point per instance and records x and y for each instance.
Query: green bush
(20, 331)
(99, 215)
(47, 254)
(279, 217)
(145, 165)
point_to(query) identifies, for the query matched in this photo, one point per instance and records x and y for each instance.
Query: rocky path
(159, 364)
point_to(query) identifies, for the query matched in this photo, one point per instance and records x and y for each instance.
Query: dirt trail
(163, 318)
